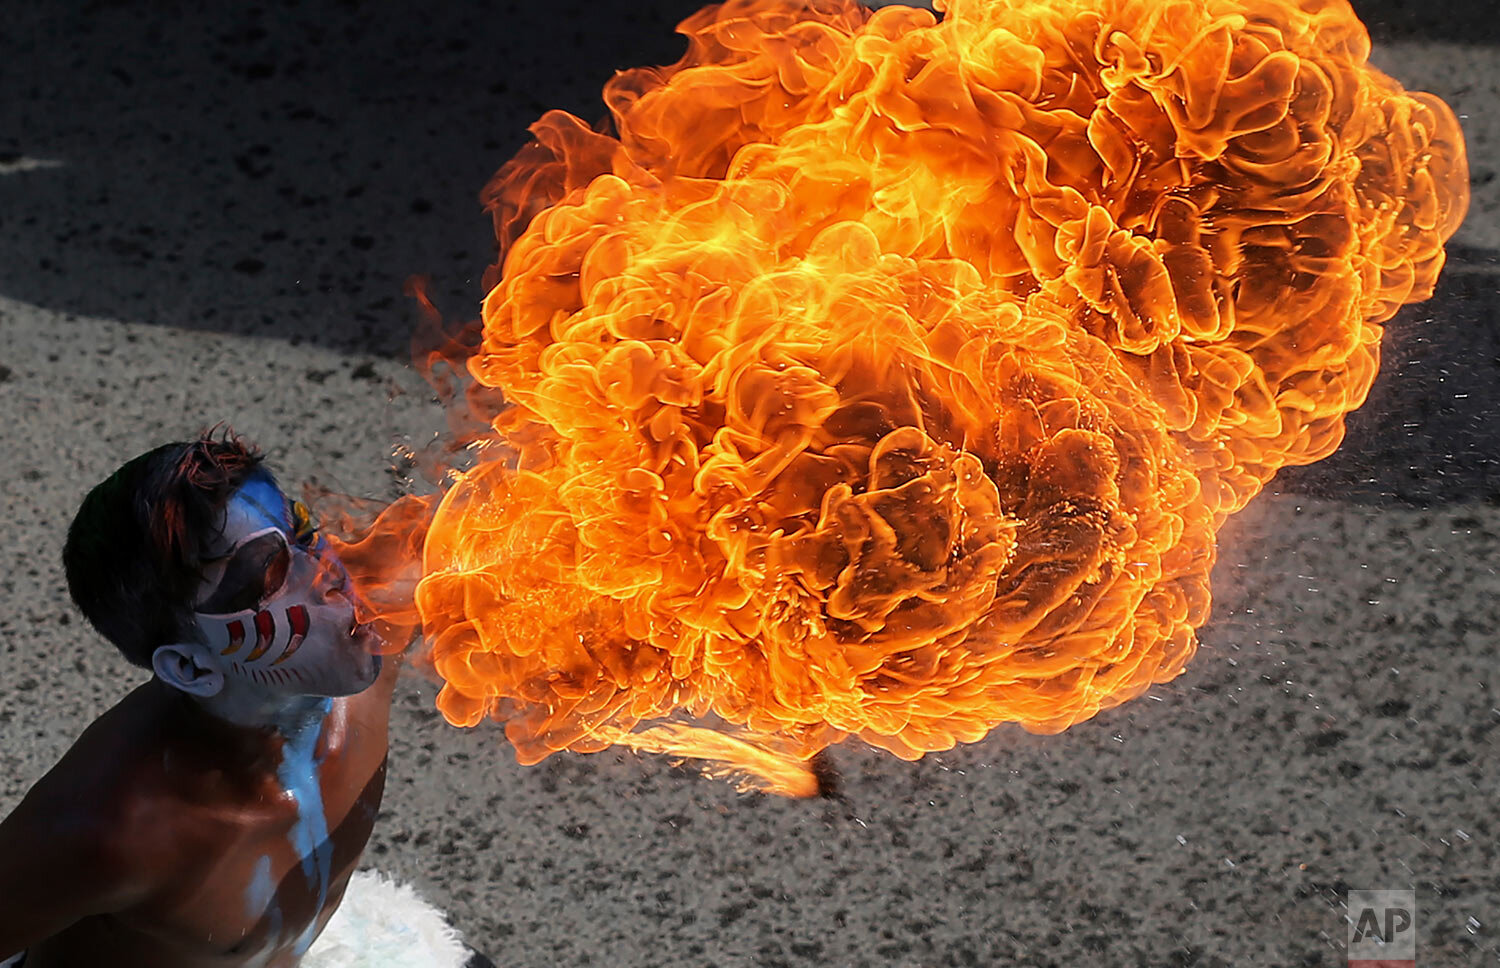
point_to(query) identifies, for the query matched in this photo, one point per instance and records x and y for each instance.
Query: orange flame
(887, 376)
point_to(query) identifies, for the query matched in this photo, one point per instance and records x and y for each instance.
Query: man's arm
(57, 866)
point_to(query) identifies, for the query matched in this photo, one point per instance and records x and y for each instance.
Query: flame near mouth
(888, 377)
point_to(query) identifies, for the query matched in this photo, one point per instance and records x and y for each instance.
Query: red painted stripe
(236, 637)
(265, 630)
(296, 616)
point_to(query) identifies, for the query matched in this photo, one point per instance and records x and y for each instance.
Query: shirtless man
(214, 816)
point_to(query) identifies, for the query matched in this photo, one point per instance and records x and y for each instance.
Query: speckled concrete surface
(234, 204)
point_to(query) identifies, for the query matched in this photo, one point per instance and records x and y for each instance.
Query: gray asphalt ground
(209, 218)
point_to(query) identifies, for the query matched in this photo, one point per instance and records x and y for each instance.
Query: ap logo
(1382, 929)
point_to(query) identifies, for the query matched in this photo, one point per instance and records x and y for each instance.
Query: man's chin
(357, 672)
(377, 662)
(366, 658)
(370, 666)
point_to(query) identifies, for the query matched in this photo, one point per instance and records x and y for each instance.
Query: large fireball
(886, 376)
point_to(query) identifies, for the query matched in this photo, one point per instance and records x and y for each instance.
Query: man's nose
(330, 577)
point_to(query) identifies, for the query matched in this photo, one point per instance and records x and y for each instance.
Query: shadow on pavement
(281, 169)
(1460, 21)
(1429, 431)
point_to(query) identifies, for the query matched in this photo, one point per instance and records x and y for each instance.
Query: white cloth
(382, 923)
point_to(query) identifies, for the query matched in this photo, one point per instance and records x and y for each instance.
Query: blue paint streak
(262, 889)
(298, 773)
(262, 494)
(260, 896)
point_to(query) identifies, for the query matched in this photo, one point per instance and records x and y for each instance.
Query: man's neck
(294, 719)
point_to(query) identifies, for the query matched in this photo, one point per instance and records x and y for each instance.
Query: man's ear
(186, 666)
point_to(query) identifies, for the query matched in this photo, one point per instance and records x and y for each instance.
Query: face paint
(309, 835)
(275, 604)
(260, 896)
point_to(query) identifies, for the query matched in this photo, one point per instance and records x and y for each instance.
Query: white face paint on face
(274, 605)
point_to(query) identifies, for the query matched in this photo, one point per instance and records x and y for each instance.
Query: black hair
(132, 555)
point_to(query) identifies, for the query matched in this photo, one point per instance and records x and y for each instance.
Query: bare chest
(253, 883)
(276, 890)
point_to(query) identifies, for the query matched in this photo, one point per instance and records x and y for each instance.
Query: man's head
(193, 563)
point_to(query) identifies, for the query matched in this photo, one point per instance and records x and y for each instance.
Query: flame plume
(887, 376)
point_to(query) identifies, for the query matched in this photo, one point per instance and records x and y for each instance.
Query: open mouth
(362, 633)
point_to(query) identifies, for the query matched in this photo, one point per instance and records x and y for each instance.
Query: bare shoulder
(63, 825)
(95, 797)
(67, 851)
